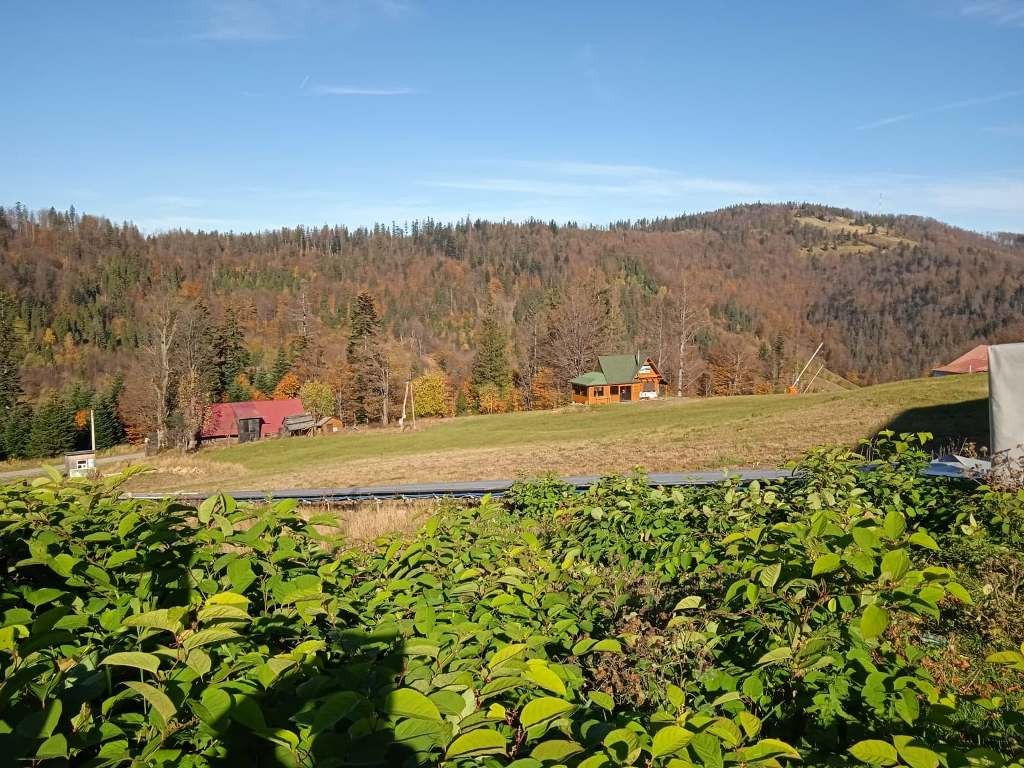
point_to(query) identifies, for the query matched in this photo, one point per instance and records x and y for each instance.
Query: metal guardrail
(462, 490)
(946, 466)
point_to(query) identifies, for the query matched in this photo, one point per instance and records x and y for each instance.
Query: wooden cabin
(621, 379)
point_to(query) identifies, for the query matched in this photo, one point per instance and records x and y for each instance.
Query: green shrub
(734, 625)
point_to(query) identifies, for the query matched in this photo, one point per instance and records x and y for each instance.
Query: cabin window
(598, 391)
(615, 389)
(649, 386)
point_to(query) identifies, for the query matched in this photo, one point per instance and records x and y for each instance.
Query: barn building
(621, 378)
(975, 361)
(249, 420)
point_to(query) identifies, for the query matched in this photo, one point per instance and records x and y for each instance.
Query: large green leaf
(482, 741)
(146, 661)
(406, 702)
(539, 672)
(895, 564)
(168, 619)
(827, 563)
(542, 710)
(209, 636)
(555, 750)
(54, 747)
(505, 653)
(895, 524)
(875, 752)
(915, 753)
(157, 699)
(873, 622)
(669, 740)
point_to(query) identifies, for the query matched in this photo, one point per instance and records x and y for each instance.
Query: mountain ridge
(890, 295)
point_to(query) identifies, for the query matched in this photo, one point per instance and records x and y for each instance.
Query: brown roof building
(975, 361)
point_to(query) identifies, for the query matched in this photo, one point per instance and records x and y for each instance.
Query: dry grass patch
(672, 435)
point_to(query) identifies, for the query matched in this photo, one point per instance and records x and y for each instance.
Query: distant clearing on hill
(852, 237)
(753, 431)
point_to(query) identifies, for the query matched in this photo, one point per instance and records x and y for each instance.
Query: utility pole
(794, 387)
(412, 402)
(809, 383)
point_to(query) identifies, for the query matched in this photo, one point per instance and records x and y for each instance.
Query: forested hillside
(484, 315)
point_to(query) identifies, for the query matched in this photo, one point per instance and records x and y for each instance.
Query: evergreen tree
(365, 322)
(230, 358)
(490, 363)
(10, 360)
(778, 357)
(53, 429)
(14, 433)
(364, 358)
(281, 366)
(110, 429)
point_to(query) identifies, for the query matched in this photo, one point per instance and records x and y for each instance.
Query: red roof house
(975, 361)
(249, 420)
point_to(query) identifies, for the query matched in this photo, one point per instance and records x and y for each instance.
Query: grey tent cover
(1006, 401)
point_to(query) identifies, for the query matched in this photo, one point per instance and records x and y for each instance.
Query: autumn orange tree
(287, 387)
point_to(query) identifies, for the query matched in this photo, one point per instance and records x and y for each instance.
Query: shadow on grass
(952, 424)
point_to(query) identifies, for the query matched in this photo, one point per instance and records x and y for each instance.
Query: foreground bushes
(842, 618)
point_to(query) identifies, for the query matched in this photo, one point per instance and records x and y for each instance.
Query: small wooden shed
(299, 424)
(329, 425)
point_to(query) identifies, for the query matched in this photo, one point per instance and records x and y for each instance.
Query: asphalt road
(16, 474)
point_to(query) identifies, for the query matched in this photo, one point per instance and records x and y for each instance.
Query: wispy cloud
(346, 90)
(588, 61)
(269, 20)
(953, 105)
(1005, 12)
(1015, 130)
(582, 180)
(591, 169)
(248, 20)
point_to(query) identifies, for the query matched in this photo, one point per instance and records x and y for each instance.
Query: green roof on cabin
(619, 369)
(592, 379)
(615, 369)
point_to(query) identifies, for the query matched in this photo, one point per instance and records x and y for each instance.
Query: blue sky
(252, 114)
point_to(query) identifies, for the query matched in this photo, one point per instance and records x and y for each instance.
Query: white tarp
(1006, 402)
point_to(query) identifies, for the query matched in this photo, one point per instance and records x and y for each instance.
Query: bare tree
(194, 355)
(575, 331)
(656, 333)
(529, 329)
(161, 331)
(300, 314)
(382, 377)
(687, 322)
(730, 372)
